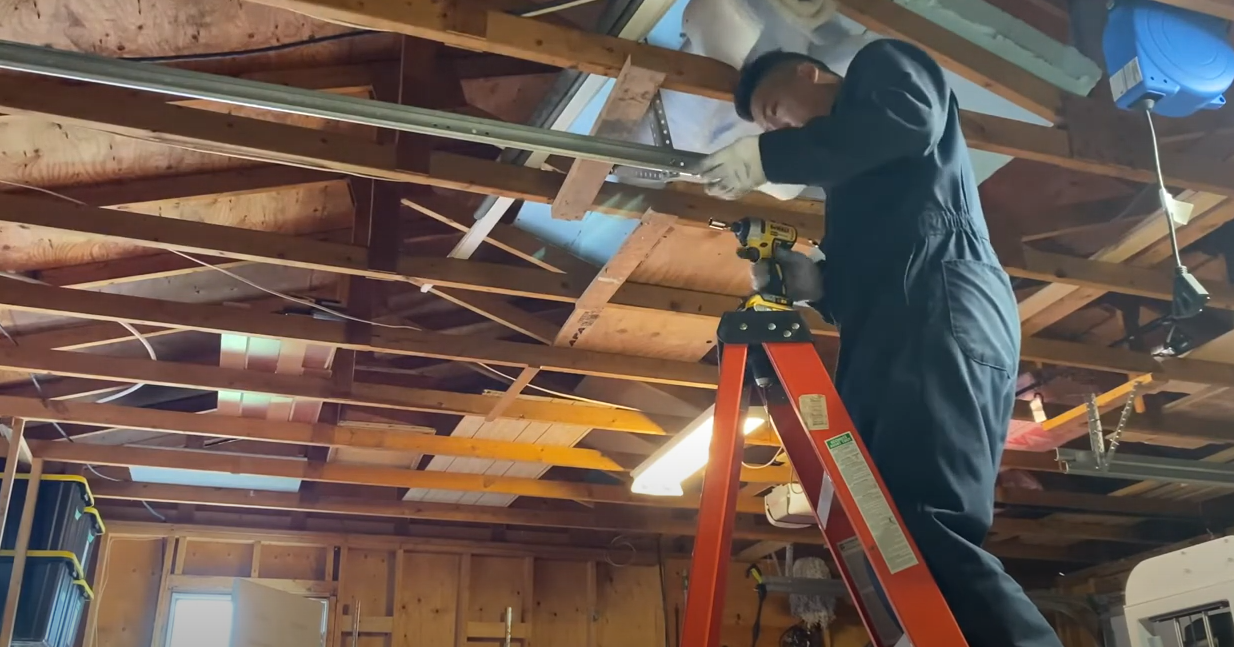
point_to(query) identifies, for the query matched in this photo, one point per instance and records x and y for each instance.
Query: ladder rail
(713, 544)
(838, 529)
(838, 450)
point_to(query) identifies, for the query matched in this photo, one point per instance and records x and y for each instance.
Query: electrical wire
(294, 299)
(313, 304)
(774, 459)
(39, 387)
(269, 49)
(620, 541)
(1164, 192)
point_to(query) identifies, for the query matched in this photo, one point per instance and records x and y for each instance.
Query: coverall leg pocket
(984, 329)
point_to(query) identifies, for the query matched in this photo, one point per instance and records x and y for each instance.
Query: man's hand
(734, 170)
(803, 281)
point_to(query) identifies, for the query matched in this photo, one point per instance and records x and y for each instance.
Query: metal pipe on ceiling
(269, 96)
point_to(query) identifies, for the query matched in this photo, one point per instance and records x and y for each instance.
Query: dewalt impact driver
(759, 239)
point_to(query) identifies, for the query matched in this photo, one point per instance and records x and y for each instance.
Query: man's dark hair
(753, 73)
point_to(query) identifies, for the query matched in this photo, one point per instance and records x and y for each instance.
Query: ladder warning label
(871, 502)
(813, 408)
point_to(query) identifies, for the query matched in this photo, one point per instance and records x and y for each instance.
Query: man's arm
(895, 104)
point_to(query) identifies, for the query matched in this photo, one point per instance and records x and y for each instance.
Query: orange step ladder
(771, 352)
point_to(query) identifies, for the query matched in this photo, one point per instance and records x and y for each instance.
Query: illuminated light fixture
(680, 458)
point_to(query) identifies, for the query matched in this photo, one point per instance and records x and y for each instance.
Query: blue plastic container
(54, 593)
(64, 516)
(1178, 57)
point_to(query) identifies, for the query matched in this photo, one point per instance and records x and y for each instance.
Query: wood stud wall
(408, 593)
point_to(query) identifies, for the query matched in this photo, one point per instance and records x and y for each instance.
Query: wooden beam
(108, 110)
(230, 242)
(296, 433)
(229, 183)
(1082, 531)
(1086, 554)
(1130, 506)
(529, 39)
(512, 392)
(213, 378)
(22, 545)
(604, 518)
(653, 228)
(211, 318)
(17, 441)
(1139, 248)
(133, 456)
(608, 518)
(954, 52)
(504, 237)
(14, 432)
(619, 119)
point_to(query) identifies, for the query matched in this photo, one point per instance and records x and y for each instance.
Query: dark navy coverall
(929, 331)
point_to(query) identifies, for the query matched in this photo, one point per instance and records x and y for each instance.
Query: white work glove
(734, 170)
(803, 281)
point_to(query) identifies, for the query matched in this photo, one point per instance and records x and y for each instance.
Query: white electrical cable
(305, 302)
(1163, 193)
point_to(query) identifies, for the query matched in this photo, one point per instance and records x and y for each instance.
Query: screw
(771, 326)
(743, 326)
(796, 326)
(788, 333)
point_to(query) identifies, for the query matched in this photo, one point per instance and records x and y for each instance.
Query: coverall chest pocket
(981, 311)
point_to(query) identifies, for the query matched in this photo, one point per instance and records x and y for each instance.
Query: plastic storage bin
(64, 517)
(53, 594)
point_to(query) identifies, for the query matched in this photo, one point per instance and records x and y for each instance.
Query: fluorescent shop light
(680, 458)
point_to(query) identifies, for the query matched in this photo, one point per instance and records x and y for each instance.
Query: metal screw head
(771, 326)
(788, 333)
(796, 326)
(743, 326)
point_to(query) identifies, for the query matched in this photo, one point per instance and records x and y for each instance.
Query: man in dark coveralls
(929, 332)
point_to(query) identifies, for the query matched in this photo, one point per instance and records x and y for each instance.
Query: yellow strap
(79, 574)
(85, 586)
(51, 554)
(98, 518)
(81, 480)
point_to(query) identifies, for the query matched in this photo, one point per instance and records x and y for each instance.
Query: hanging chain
(1096, 436)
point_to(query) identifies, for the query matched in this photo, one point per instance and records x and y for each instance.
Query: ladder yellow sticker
(855, 472)
(813, 408)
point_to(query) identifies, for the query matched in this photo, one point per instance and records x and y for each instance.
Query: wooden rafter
(529, 39)
(104, 109)
(619, 118)
(465, 274)
(609, 518)
(133, 456)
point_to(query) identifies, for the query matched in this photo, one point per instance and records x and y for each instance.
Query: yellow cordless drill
(759, 239)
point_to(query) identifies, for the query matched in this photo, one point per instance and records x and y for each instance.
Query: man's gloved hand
(734, 170)
(803, 281)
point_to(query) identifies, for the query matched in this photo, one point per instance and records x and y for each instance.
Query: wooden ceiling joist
(461, 273)
(225, 319)
(606, 518)
(290, 144)
(958, 54)
(133, 456)
(495, 32)
(326, 435)
(609, 518)
(213, 378)
(105, 109)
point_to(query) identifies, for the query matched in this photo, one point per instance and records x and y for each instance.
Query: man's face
(791, 95)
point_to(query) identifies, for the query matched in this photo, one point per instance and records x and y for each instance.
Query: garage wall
(418, 592)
